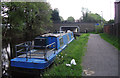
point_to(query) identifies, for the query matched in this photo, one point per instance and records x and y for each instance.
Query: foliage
(99, 28)
(111, 39)
(55, 15)
(91, 17)
(26, 19)
(61, 18)
(111, 21)
(59, 67)
(70, 19)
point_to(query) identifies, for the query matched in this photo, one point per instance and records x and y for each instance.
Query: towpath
(101, 58)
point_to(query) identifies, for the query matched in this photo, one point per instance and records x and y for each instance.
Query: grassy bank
(111, 39)
(75, 50)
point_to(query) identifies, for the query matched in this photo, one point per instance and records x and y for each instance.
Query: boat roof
(54, 34)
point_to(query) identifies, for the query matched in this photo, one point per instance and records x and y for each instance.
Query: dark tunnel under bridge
(75, 29)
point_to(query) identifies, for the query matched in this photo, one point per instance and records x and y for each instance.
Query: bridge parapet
(90, 27)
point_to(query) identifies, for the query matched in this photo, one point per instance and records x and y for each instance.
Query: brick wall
(83, 26)
(117, 12)
(113, 29)
(107, 29)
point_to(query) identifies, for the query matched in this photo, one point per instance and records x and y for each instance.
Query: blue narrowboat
(41, 53)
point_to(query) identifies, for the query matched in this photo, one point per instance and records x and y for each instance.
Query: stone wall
(83, 26)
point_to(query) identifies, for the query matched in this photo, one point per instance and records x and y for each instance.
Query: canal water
(5, 60)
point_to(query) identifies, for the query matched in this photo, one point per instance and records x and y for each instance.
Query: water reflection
(8, 49)
(5, 57)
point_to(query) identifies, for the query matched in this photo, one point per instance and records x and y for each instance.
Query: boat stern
(30, 63)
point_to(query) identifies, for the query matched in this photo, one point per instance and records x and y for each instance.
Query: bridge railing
(26, 48)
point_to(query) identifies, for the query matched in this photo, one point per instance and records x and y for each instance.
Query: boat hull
(37, 63)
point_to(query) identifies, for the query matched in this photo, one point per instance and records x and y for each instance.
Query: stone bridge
(76, 26)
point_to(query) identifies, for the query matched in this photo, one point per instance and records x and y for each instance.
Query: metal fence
(26, 47)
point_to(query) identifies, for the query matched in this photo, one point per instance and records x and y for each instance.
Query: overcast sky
(73, 7)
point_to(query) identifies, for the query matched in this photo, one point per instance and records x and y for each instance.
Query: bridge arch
(72, 28)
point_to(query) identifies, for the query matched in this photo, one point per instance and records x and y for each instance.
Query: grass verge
(111, 39)
(75, 50)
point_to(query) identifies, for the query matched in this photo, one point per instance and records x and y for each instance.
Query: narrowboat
(41, 53)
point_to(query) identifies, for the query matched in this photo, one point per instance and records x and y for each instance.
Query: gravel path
(101, 58)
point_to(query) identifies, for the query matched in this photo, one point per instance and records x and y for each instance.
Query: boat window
(61, 41)
(51, 37)
(68, 38)
(71, 35)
